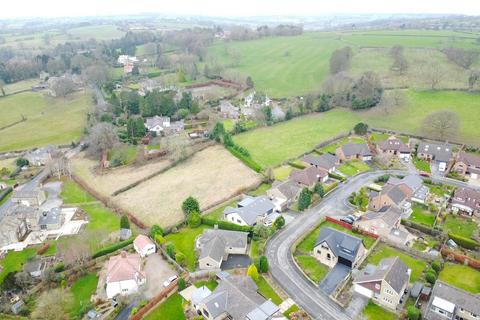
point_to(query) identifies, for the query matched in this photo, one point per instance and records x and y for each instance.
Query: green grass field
(20, 86)
(101, 218)
(421, 215)
(312, 267)
(382, 251)
(82, 290)
(170, 309)
(184, 242)
(72, 193)
(99, 32)
(270, 146)
(375, 312)
(469, 279)
(53, 121)
(14, 261)
(218, 212)
(352, 168)
(267, 291)
(282, 173)
(459, 226)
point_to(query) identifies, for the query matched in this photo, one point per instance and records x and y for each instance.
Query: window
(329, 256)
(205, 313)
(238, 221)
(377, 286)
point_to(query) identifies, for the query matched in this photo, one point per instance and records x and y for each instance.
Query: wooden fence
(461, 258)
(159, 298)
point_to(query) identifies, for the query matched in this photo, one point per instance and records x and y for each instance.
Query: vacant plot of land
(211, 175)
(419, 104)
(113, 179)
(270, 146)
(382, 251)
(8, 163)
(460, 226)
(469, 279)
(48, 120)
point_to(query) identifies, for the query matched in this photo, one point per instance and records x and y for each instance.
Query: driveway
(53, 200)
(157, 271)
(356, 305)
(236, 261)
(334, 277)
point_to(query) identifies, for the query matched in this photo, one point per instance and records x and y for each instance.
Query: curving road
(282, 267)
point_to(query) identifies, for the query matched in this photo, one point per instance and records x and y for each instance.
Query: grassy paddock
(469, 279)
(460, 226)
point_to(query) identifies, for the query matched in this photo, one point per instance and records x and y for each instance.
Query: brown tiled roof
(126, 266)
(469, 159)
(141, 241)
(467, 197)
(308, 176)
(393, 143)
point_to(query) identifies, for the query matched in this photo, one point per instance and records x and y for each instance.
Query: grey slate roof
(237, 296)
(389, 215)
(350, 149)
(214, 249)
(412, 181)
(393, 270)
(342, 244)
(212, 242)
(288, 188)
(251, 208)
(440, 152)
(51, 217)
(395, 193)
(326, 161)
(462, 299)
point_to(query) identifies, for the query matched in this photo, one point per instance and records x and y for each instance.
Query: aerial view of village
(260, 160)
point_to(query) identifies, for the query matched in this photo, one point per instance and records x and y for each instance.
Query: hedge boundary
(112, 248)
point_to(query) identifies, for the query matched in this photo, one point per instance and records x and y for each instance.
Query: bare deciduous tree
(442, 125)
(97, 74)
(340, 60)
(61, 87)
(433, 74)
(53, 305)
(74, 251)
(390, 101)
(102, 138)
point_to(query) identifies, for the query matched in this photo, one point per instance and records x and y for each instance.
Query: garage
(345, 262)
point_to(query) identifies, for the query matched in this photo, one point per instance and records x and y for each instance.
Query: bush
(180, 258)
(112, 248)
(134, 311)
(21, 162)
(252, 272)
(431, 277)
(190, 205)
(225, 225)
(59, 267)
(5, 193)
(437, 266)
(263, 264)
(336, 176)
(194, 220)
(464, 242)
(305, 199)
(249, 162)
(361, 128)
(413, 313)
(124, 222)
(160, 239)
(181, 284)
(420, 227)
(318, 189)
(296, 165)
(261, 232)
(279, 223)
(383, 178)
(170, 250)
(156, 230)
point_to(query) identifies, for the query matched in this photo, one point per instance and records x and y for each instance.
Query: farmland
(212, 176)
(54, 121)
(270, 146)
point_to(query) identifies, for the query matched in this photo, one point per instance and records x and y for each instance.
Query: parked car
(169, 281)
(424, 174)
(346, 220)
(352, 217)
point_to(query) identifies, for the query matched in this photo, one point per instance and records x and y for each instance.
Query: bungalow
(284, 194)
(381, 222)
(215, 245)
(29, 198)
(124, 274)
(395, 147)
(440, 153)
(408, 184)
(325, 161)
(385, 284)
(237, 297)
(144, 246)
(467, 165)
(333, 246)
(228, 110)
(251, 211)
(157, 124)
(467, 201)
(389, 196)
(308, 177)
(354, 151)
(449, 302)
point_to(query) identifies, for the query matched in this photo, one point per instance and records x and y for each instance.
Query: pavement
(334, 277)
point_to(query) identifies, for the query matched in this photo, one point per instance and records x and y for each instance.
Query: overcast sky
(51, 8)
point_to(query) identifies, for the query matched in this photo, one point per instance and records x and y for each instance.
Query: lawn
(469, 279)
(217, 214)
(82, 290)
(382, 251)
(440, 189)
(270, 146)
(267, 291)
(352, 168)
(101, 218)
(126, 153)
(282, 173)
(73, 193)
(421, 215)
(14, 261)
(184, 242)
(331, 148)
(461, 226)
(421, 165)
(54, 121)
(210, 284)
(312, 267)
(229, 125)
(375, 312)
(170, 309)
(260, 190)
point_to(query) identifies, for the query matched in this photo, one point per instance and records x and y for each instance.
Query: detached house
(467, 201)
(308, 177)
(29, 198)
(124, 274)
(228, 110)
(143, 245)
(215, 245)
(284, 194)
(333, 246)
(440, 153)
(389, 196)
(354, 151)
(251, 211)
(385, 284)
(448, 302)
(395, 147)
(467, 165)
(157, 124)
(326, 161)
(381, 222)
